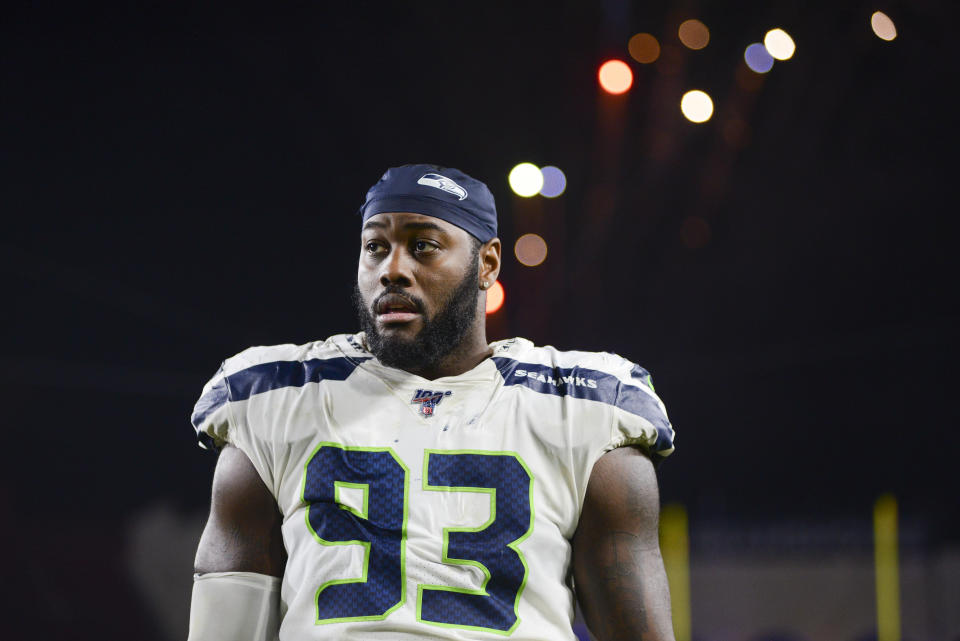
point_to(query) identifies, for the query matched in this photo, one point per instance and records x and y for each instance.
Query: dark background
(180, 181)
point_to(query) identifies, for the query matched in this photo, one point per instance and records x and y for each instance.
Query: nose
(397, 269)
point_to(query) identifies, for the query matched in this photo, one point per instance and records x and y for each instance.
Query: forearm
(625, 596)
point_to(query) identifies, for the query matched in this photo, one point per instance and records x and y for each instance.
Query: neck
(471, 351)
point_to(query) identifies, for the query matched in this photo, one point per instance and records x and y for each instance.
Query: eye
(425, 247)
(374, 248)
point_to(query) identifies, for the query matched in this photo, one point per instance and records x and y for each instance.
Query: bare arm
(620, 581)
(243, 531)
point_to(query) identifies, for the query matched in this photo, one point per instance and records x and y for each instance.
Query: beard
(439, 335)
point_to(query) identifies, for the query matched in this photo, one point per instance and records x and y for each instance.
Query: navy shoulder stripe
(265, 377)
(642, 375)
(590, 384)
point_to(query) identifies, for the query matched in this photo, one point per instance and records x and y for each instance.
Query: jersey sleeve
(640, 417)
(211, 414)
(220, 418)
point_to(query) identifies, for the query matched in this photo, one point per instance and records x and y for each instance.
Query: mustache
(396, 290)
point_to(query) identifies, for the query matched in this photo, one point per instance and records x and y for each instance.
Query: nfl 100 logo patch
(428, 400)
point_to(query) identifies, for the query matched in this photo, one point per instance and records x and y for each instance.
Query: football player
(412, 480)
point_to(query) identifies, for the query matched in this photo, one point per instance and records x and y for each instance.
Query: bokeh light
(554, 181)
(525, 179)
(615, 76)
(644, 48)
(758, 58)
(779, 44)
(530, 250)
(883, 26)
(694, 34)
(696, 106)
(495, 297)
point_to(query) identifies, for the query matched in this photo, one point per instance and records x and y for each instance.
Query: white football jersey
(428, 509)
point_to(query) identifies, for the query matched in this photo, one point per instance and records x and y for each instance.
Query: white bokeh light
(883, 26)
(779, 43)
(525, 179)
(696, 106)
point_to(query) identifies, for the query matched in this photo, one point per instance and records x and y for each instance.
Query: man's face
(417, 288)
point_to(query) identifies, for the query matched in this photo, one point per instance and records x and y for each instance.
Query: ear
(489, 256)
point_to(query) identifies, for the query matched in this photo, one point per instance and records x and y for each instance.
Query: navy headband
(441, 192)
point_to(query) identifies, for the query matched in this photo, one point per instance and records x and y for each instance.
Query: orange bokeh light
(495, 297)
(615, 76)
(644, 48)
(530, 249)
(694, 34)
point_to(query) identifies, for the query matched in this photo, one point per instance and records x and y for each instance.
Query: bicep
(618, 570)
(243, 531)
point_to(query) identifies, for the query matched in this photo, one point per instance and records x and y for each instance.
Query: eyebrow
(410, 225)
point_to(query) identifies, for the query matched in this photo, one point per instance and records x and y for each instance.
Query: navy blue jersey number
(379, 525)
(376, 519)
(492, 547)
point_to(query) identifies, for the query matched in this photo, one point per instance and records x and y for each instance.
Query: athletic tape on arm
(234, 606)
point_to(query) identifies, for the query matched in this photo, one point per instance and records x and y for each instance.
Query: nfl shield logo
(428, 400)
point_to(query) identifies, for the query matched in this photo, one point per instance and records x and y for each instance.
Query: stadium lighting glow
(554, 181)
(883, 26)
(530, 250)
(779, 43)
(495, 297)
(693, 34)
(644, 48)
(758, 58)
(615, 76)
(696, 106)
(525, 179)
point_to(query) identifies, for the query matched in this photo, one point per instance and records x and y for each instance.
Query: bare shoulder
(243, 531)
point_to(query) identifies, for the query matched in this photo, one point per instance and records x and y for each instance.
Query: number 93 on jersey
(377, 518)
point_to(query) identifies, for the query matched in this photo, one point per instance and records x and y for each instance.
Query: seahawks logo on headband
(443, 183)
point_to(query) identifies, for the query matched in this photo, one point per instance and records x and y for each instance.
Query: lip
(395, 305)
(392, 318)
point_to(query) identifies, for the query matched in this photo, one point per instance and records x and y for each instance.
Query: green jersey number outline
(380, 527)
